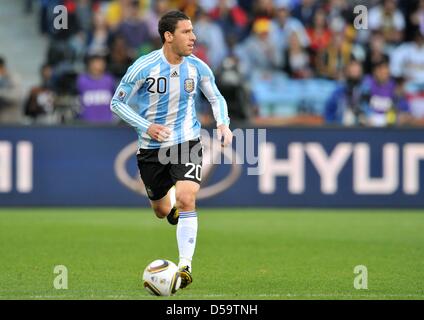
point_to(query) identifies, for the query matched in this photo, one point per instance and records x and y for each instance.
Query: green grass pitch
(240, 254)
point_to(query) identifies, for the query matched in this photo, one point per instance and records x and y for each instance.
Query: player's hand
(158, 132)
(224, 132)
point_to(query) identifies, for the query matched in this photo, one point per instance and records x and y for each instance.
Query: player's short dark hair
(169, 22)
(2, 62)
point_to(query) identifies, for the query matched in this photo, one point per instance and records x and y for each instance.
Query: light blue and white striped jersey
(165, 94)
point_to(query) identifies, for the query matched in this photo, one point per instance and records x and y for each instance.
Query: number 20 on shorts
(197, 171)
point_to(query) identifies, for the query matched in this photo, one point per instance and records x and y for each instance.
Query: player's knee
(186, 201)
(160, 212)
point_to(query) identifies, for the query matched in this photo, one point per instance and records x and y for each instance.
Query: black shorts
(161, 168)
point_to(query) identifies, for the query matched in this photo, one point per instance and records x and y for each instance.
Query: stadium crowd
(276, 62)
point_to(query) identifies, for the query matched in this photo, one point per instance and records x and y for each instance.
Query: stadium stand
(286, 59)
(23, 50)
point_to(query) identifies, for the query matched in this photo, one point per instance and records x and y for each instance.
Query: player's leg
(187, 227)
(165, 207)
(187, 176)
(158, 183)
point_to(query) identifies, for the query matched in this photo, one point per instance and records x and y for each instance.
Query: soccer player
(164, 85)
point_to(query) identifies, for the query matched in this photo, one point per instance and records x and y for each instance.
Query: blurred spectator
(339, 10)
(232, 19)
(135, 31)
(39, 106)
(375, 52)
(296, 59)
(116, 12)
(10, 94)
(60, 52)
(283, 25)
(118, 59)
(63, 60)
(383, 105)
(417, 18)
(99, 38)
(304, 10)
(258, 52)
(319, 35)
(45, 21)
(247, 5)
(95, 88)
(211, 36)
(407, 62)
(152, 16)
(208, 5)
(332, 61)
(263, 9)
(406, 117)
(84, 14)
(345, 106)
(341, 50)
(190, 8)
(232, 86)
(259, 64)
(389, 20)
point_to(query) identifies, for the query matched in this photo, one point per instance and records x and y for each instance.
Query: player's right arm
(119, 104)
(128, 86)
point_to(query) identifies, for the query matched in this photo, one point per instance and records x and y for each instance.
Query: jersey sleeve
(211, 92)
(128, 86)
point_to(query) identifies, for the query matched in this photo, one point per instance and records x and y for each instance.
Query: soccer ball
(161, 278)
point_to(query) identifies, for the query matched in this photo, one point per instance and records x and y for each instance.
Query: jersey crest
(189, 85)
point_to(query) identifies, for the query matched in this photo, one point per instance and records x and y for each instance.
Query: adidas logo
(174, 74)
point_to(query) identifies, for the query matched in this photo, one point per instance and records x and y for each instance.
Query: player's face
(183, 38)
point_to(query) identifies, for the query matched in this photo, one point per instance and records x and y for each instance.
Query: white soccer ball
(161, 278)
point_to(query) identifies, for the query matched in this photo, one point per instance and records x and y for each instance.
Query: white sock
(186, 237)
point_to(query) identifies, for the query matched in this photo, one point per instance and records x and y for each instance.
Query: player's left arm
(218, 103)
